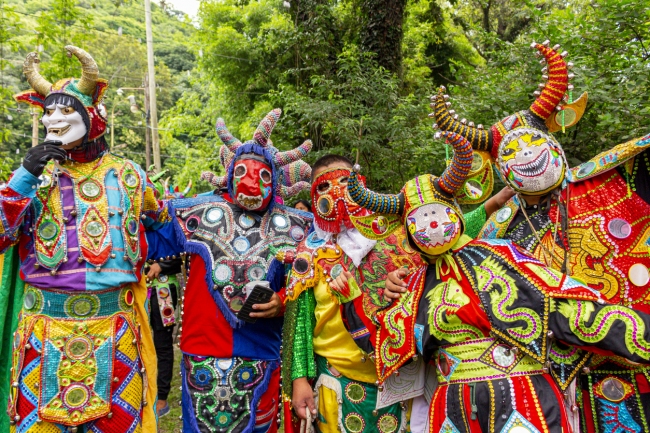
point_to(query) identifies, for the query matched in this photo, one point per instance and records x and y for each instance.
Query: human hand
(303, 398)
(499, 199)
(268, 310)
(341, 282)
(395, 284)
(37, 157)
(154, 271)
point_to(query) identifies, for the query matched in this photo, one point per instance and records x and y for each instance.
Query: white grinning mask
(63, 123)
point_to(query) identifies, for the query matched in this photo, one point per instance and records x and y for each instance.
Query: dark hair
(90, 150)
(304, 203)
(330, 159)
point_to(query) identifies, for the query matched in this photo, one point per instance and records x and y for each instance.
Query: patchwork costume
(592, 222)
(485, 314)
(83, 357)
(231, 369)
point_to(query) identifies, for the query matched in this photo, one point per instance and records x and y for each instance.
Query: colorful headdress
(391, 210)
(89, 89)
(549, 113)
(291, 174)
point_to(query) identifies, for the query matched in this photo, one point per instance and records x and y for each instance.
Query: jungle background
(349, 74)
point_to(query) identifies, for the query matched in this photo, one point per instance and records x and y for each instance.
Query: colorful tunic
(327, 331)
(230, 369)
(485, 315)
(81, 353)
(606, 230)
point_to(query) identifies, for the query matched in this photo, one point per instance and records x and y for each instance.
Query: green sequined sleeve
(474, 221)
(297, 338)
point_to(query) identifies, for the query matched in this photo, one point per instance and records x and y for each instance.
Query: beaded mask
(331, 202)
(252, 182)
(529, 159)
(426, 206)
(62, 122)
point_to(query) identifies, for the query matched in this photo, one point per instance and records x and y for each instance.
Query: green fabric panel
(11, 301)
(474, 221)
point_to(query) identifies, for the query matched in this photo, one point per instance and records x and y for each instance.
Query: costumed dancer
(338, 274)
(591, 222)
(164, 286)
(83, 356)
(230, 367)
(485, 314)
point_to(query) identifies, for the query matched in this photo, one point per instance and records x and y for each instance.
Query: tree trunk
(382, 31)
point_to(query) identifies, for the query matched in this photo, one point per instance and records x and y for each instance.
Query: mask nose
(56, 117)
(528, 152)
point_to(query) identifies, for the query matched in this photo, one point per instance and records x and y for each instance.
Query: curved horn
(89, 70)
(295, 172)
(375, 202)
(187, 188)
(225, 156)
(36, 80)
(225, 136)
(157, 176)
(289, 191)
(456, 173)
(284, 158)
(447, 120)
(214, 179)
(264, 129)
(557, 76)
(166, 185)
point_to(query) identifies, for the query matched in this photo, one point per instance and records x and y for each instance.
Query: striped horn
(87, 84)
(375, 202)
(225, 156)
(447, 120)
(284, 158)
(214, 179)
(225, 136)
(556, 74)
(187, 188)
(264, 129)
(34, 78)
(454, 176)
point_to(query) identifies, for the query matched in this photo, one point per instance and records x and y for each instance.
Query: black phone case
(259, 295)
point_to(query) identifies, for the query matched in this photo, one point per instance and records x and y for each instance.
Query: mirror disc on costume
(301, 265)
(569, 117)
(473, 189)
(503, 214)
(443, 364)
(354, 423)
(90, 188)
(48, 230)
(214, 215)
(29, 300)
(256, 272)
(128, 297)
(236, 303)
(503, 356)
(168, 311)
(78, 348)
(76, 396)
(223, 393)
(355, 392)
(324, 205)
(638, 274)
(163, 278)
(387, 423)
(297, 233)
(192, 223)
(280, 221)
(246, 221)
(94, 228)
(477, 161)
(619, 228)
(241, 244)
(222, 273)
(16, 341)
(380, 225)
(223, 419)
(45, 180)
(163, 292)
(613, 389)
(130, 180)
(586, 169)
(337, 270)
(132, 226)
(519, 429)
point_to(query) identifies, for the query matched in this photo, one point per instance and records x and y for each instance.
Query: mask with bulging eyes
(63, 123)
(331, 202)
(434, 228)
(252, 183)
(531, 161)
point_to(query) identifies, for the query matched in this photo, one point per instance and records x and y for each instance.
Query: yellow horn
(36, 80)
(89, 70)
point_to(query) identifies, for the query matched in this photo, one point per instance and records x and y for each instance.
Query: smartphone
(259, 295)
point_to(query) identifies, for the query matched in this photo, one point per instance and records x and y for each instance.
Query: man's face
(63, 123)
(531, 161)
(252, 182)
